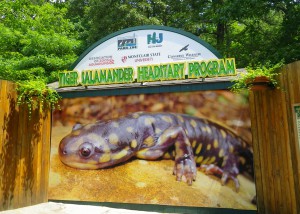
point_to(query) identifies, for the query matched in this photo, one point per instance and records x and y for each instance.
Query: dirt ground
(142, 182)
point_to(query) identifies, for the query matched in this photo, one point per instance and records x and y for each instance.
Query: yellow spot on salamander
(167, 119)
(244, 144)
(180, 118)
(203, 128)
(115, 124)
(231, 149)
(133, 144)
(94, 137)
(91, 162)
(242, 160)
(223, 133)
(87, 127)
(208, 129)
(158, 131)
(174, 135)
(149, 121)
(216, 143)
(224, 161)
(205, 161)
(129, 129)
(208, 147)
(194, 144)
(179, 152)
(149, 141)
(167, 155)
(187, 142)
(198, 150)
(221, 153)
(104, 158)
(193, 123)
(211, 160)
(186, 131)
(199, 159)
(113, 138)
(135, 115)
(76, 132)
(119, 155)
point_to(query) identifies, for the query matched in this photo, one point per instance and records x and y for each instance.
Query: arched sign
(147, 53)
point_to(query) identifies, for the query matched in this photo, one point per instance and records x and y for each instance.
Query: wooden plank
(269, 179)
(289, 81)
(18, 153)
(297, 145)
(12, 139)
(46, 154)
(39, 121)
(34, 154)
(4, 150)
(285, 154)
(2, 134)
(25, 138)
(22, 146)
(293, 82)
(261, 137)
(256, 152)
(276, 145)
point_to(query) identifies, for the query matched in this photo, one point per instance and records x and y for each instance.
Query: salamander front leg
(185, 165)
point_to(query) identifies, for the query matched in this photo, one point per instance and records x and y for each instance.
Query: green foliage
(39, 38)
(245, 79)
(36, 41)
(36, 94)
(254, 32)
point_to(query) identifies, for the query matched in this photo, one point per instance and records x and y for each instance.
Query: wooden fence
(276, 149)
(25, 148)
(24, 152)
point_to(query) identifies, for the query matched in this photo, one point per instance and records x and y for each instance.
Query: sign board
(147, 53)
(143, 179)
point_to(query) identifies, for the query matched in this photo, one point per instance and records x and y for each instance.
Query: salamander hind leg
(229, 171)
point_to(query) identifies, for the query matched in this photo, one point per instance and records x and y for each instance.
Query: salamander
(189, 141)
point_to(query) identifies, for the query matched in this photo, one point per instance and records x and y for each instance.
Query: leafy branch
(36, 94)
(245, 79)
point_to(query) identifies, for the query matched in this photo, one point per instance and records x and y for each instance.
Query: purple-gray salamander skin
(190, 141)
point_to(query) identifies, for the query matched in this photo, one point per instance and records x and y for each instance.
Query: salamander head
(87, 147)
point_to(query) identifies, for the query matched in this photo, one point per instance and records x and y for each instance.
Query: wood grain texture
(276, 149)
(24, 151)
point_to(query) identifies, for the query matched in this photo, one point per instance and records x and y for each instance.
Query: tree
(36, 40)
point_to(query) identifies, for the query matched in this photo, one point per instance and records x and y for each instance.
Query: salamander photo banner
(179, 149)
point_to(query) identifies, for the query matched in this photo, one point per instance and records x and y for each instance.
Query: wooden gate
(25, 148)
(24, 151)
(276, 148)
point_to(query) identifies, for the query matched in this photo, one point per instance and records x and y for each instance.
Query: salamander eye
(86, 149)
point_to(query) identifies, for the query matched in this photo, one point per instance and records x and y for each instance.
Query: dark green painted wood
(162, 208)
(148, 90)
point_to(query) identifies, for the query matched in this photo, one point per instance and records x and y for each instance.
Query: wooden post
(276, 150)
(24, 151)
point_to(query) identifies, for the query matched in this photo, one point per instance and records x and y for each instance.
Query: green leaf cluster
(244, 80)
(36, 95)
(37, 40)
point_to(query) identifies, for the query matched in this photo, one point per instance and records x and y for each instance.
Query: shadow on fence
(24, 151)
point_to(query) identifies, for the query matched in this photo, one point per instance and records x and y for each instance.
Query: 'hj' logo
(153, 39)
